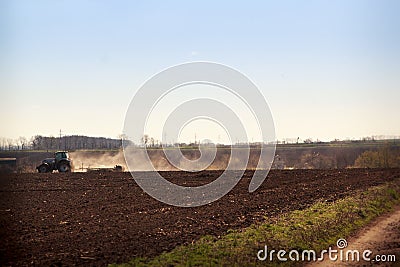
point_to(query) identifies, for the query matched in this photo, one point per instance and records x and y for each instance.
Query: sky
(328, 69)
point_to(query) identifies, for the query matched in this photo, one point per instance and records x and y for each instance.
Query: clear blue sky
(327, 68)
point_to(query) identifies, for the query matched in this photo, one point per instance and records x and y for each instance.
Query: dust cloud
(82, 160)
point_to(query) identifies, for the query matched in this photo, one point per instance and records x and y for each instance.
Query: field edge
(316, 227)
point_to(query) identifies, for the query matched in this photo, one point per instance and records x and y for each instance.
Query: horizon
(327, 69)
(15, 143)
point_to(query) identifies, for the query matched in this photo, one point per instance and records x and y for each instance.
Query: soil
(100, 218)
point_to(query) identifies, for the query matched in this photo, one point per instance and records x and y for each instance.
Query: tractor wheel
(64, 167)
(43, 168)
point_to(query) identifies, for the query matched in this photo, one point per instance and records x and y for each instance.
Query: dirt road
(381, 237)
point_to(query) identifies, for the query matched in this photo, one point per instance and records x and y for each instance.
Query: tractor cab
(60, 155)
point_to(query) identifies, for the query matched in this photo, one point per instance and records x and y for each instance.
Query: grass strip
(316, 227)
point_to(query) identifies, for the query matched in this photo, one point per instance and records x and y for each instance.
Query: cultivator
(116, 168)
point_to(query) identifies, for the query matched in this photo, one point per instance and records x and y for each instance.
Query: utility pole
(59, 143)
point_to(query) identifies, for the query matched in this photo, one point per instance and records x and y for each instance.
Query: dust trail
(108, 159)
(97, 159)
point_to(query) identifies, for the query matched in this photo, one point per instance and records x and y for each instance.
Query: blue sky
(328, 69)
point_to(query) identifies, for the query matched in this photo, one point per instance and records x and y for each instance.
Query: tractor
(60, 162)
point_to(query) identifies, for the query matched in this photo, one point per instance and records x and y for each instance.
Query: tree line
(384, 157)
(72, 142)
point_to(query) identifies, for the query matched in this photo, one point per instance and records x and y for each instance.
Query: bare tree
(122, 137)
(3, 143)
(145, 139)
(23, 142)
(10, 143)
(152, 141)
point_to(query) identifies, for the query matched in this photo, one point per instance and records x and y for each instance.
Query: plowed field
(100, 218)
